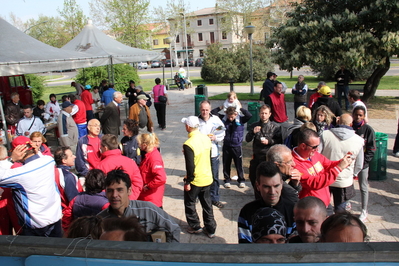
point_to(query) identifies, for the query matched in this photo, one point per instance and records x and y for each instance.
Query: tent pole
(3, 118)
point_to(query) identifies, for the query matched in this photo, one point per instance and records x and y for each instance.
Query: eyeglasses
(313, 147)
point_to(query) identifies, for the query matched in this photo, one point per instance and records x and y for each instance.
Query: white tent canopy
(22, 54)
(93, 41)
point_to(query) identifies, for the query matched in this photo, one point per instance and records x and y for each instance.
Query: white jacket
(337, 142)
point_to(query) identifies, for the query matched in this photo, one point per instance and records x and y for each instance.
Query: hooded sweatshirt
(337, 142)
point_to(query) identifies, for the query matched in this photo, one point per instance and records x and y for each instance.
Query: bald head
(346, 120)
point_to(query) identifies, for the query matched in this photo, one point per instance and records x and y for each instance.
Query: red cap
(20, 140)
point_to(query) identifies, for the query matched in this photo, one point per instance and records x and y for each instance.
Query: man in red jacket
(112, 159)
(317, 171)
(80, 116)
(87, 99)
(276, 102)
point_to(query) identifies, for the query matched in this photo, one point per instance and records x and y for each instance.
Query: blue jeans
(345, 90)
(215, 174)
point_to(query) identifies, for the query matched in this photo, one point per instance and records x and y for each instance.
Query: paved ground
(384, 198)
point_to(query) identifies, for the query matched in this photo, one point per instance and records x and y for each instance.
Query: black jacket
(330, 103)
(367, 133)
(270, 131)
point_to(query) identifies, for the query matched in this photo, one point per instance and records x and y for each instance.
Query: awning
(190, 50)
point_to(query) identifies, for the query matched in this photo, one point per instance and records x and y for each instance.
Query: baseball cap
(325, 90)
(66, 104)
(21, 140)
(191, 121)
(142, 97)
(87, 87)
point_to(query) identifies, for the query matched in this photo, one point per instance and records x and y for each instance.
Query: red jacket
(80, 116)
(112, 159)
(87, 99)
(279, 109)
(154, 176)
(8, 216)
(317, 174)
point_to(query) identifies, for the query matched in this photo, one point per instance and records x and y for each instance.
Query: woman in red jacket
(38, 141)
(152, 169)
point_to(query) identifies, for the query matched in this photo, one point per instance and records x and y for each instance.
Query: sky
(26, 9)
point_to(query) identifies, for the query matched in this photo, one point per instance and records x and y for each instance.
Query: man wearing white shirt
(29, 123)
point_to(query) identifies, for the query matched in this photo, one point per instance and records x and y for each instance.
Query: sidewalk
(384, 196)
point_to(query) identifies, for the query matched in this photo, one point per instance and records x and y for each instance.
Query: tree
(126, 19)
(48, 30)
(73, 18)
(224, 65)
(359, 34)
(94, 76)
(36, 84)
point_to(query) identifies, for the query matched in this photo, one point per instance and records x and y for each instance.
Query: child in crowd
(232, 101)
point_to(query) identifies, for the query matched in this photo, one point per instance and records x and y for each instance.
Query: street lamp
(250, 30)
(35, 25)
(185, 35)
(169, 41)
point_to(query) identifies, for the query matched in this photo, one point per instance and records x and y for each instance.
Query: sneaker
(363, 216)
(194, 230)
(396, 154)
(241, 185)
(227, 185)
(208, 234)
(348, 206)
(217, 204)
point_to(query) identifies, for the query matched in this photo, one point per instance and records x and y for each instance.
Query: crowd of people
(113, 190)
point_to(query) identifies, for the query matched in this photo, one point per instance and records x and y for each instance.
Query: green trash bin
(198, 99)
(253, 108)
(378, 165)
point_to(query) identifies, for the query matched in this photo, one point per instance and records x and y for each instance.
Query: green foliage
(122, 74)
(73, 19)
(125, 18)
(36, 84)
(223, 65)
(48, 30)
(361, 35)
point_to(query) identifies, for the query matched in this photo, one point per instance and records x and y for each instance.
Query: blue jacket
(89, 204)
(234, 133)
(108, 96)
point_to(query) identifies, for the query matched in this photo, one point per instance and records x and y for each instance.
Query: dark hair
(359, 107)
(27, 107)
(354, 94)
(64, 98)
(157, 81)
(110, 141)
(95, 88)
(72, 97)
(52, 95)
(311, 202)
(94, 182)
(341, 219)
(132, 81)
(86, 226)
(267, 169)
(60, 154)
(134, 231)
(117, 176)
(305, 135)
(231, 110)
(104, 81)
(132, 125)
(40, 102)
(276, 83)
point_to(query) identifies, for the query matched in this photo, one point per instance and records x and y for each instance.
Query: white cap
(191, 121)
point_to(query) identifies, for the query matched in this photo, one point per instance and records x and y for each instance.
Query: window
(178, 55)
(212, 35)
(201, 52)
(199, 22)
(200, 37)
(164, 41)
(155, 41)
(224, 35)
(224, 49)
(211, 21)
(178, 39)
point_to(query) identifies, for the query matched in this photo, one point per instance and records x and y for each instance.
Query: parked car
(168, 63)
(190, 62)
(156, 63)
(142, 65)
(199, 62)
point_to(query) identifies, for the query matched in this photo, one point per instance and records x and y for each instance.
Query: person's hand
(257, 129)
(346, 161)
(264, 141)
(295, 175)
(152, 129)
(187, 187)
(212, 137)
(18, 153)
(1, 192)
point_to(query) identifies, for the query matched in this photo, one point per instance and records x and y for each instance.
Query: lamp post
(250, 30)
(169, 41)
(35, 25)
(185, 35)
